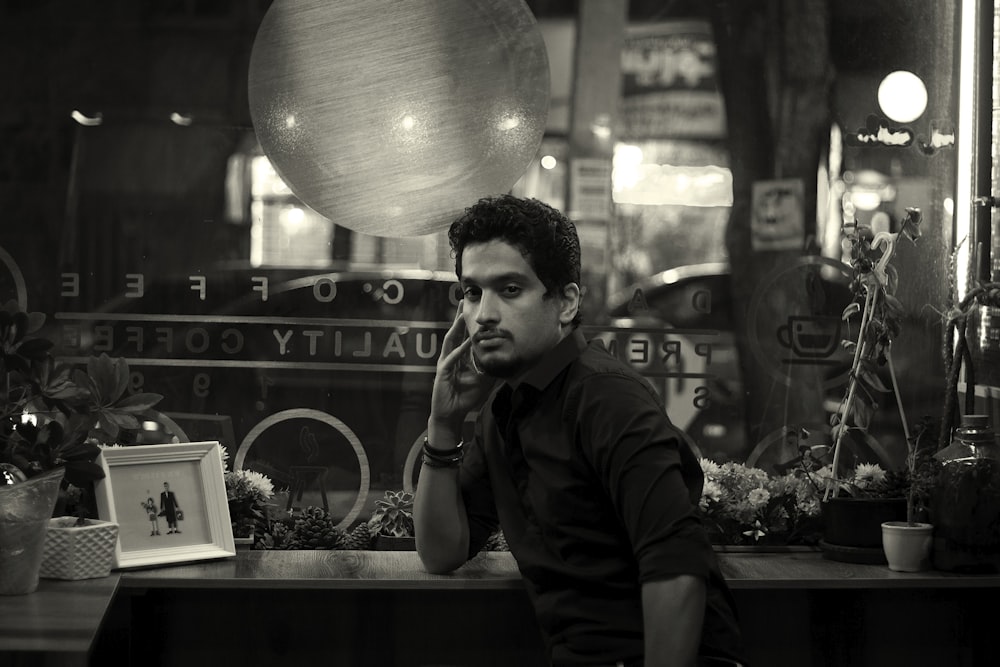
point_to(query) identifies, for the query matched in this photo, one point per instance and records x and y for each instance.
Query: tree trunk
(775, 76)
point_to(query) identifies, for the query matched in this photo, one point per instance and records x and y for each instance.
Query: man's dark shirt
(596, 493)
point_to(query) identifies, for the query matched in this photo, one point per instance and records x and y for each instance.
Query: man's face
(511, 322)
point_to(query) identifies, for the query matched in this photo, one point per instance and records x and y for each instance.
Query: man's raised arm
(440, 523)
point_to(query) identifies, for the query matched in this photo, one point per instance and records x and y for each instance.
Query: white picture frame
(192, 472)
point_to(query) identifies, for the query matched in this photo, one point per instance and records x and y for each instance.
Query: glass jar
(965, 503)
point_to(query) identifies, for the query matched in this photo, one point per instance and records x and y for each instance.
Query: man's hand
(458, 387)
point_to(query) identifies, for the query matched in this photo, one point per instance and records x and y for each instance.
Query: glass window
(142, 216)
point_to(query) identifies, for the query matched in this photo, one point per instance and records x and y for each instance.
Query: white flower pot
(907, 546)
(78, 552)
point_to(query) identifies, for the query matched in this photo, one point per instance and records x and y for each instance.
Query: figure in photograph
(571, 455)
(150, 506)
(169, 508)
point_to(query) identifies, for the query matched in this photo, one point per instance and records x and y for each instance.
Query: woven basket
(78, 552)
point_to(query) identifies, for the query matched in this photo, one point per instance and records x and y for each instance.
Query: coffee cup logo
(810, 337)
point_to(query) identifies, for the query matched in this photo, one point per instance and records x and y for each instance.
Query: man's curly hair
(546, 238)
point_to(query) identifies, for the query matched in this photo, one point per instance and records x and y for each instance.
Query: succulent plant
(393, 515)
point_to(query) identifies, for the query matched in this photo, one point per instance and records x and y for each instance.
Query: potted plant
(852, 515)
(247, 492)
(856, 503)
(54, 419)
(392, 522)
(907, 544)
(78, 548)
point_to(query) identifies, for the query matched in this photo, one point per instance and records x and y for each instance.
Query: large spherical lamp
(902, 96)
(389, 117)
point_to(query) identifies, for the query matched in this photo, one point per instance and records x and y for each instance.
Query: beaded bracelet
(442, 458)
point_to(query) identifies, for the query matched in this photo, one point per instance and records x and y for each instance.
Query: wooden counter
(57, 624)
(808, 569)
(371, 570)
(395, 570)
(371, 607)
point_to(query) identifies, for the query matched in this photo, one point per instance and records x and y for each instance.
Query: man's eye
(511, 290)
(471, 293)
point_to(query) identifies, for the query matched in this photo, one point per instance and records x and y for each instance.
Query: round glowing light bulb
(902, 96)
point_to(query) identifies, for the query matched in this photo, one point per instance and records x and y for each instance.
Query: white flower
(758, 497)
(260, 482)
(825, 473)
(807, 507)
(711, 492)
(709, 468)
(251, 485)
(756, 532)
(867, 475)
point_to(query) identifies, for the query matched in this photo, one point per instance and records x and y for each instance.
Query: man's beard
(498, 368)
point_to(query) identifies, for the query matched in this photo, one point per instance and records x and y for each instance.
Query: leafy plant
(54, 414)
(874, 285)
(921, 469)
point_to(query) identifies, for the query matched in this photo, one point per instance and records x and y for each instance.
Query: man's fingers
(455, 333)
(455, 358)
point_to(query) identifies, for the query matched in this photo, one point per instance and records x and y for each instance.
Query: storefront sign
(590, 189)
(233, 349)
(669, 83)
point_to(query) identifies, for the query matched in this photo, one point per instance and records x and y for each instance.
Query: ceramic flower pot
(25, 510)
(852, 527)
(907, 546)
(78, 552)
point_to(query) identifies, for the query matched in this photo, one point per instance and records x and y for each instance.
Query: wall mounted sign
(669, 82)
(777, 221)
(589, 189)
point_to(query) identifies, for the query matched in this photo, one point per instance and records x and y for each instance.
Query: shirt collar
(545, 371)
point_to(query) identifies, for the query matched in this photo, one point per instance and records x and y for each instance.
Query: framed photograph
(169, 502)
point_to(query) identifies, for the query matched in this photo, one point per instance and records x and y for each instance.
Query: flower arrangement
(247, 492)
(54, 415)
(743, 505)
